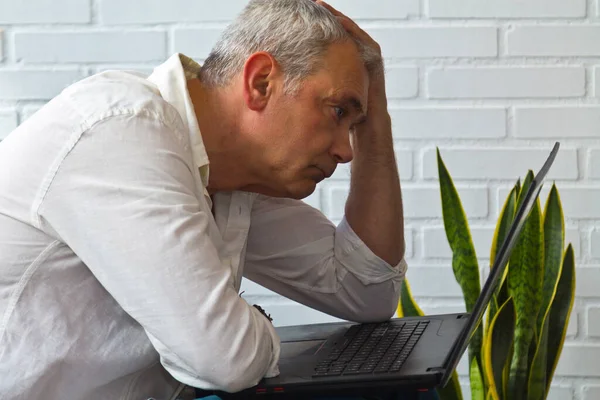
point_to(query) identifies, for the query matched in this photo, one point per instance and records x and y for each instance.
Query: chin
(304, 191)
(299, 191)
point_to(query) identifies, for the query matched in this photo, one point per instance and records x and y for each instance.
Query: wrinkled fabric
(116, 278)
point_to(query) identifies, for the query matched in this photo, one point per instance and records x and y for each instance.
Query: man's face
(305, 135)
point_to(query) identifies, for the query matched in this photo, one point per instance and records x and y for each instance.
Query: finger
(348, 23)
(330, 8)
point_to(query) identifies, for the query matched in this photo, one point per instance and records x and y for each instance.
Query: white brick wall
(472, 9)
(506, 82)
(491, 83)
(449, 123)
(90, 47)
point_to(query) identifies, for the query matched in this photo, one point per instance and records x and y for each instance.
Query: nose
(341, 150)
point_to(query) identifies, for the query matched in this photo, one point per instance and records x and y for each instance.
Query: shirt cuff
(359, 260)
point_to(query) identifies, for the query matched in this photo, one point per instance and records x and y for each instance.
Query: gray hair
(295, 32)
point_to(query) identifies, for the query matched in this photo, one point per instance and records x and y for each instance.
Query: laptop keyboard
(372, 348)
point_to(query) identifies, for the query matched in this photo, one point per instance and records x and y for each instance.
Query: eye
(339, 112)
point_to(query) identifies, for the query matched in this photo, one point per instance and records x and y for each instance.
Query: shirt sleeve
(294, 250)
(124, 200)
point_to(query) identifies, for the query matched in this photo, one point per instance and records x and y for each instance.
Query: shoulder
(113, 93)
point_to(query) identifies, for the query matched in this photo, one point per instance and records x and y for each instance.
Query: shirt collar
(171, 79)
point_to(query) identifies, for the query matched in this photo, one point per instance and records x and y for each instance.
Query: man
(130, 209)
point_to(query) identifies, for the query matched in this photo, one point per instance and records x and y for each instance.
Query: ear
(260, 76)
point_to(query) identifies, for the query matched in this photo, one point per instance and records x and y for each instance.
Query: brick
(597, 81)
(159, 11)
(419, 201)
(435, 308)
(433, 281)
(560, 393)
(594, 164)
(1, 45)
(484, 163)
(402, 82)
(385, 9)
(506, 82)
(579, 360)
(408, 242)
(595, 243)
(8, 122)
(196, 43)
(591, 392)
(573, 326)
(146, 71)
(557, 122)
(593, 317)
(35, 84)
(46, 11)
(422, 42)
(92, 47)
(404, 162)
(587, 278)
(562, 40)
(581, 202)
(448, 122)
(506, 9)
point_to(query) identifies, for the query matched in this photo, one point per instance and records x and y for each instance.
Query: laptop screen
(497, 270)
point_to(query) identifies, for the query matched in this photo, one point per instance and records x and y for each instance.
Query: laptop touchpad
(295, 349)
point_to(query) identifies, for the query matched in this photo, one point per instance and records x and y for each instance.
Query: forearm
(374, 206)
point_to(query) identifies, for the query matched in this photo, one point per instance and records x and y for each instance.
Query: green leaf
(477, 392)
(525, 277)
(503, 225)
(554, 243)
(560, 312)
(537, 375)
(464, 259)
(496, 350)
(452, 391)
(407, 307)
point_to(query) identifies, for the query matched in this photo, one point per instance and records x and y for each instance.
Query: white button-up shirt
(116, 277)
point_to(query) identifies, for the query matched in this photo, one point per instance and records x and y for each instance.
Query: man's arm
(374, 206)
(123, 199)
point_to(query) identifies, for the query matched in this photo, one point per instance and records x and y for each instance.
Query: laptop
(413, 353)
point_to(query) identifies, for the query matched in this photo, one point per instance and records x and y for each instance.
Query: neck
(215, 112)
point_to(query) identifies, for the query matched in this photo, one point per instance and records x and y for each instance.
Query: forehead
(343, 71)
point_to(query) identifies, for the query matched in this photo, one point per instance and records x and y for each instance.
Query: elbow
(225, 374)
(381, 313)
(382, 306)
(378, 311)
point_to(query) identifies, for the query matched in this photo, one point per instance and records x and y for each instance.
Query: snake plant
(513, 354)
